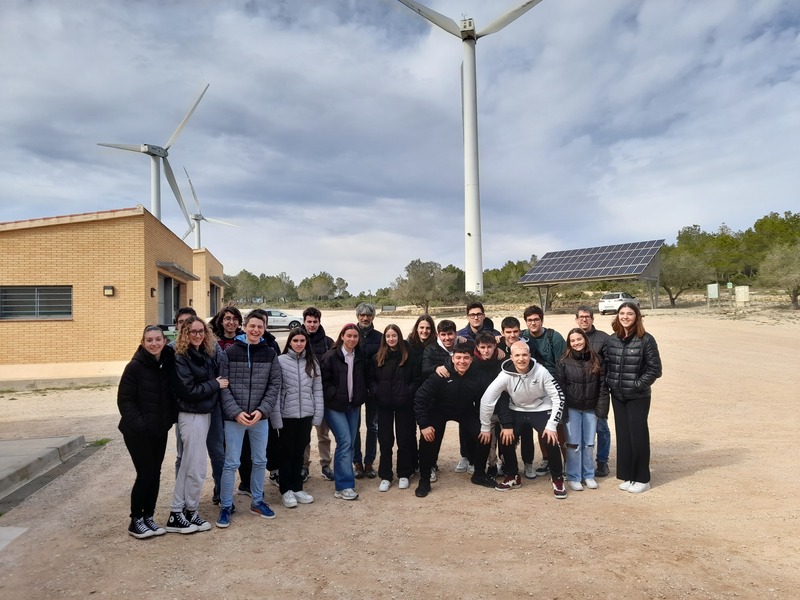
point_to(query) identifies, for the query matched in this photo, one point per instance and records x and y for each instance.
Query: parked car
(278, 318)
(610, 302)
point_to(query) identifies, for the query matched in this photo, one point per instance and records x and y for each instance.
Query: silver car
(278, 318)
(611, 302)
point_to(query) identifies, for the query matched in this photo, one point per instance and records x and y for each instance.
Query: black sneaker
(370, 471)
(484, 480)
(153, 526)
(327, 472)
(196, 519)
(492, 471)
(304, 474)
(178, 523)
(274, 478)
(543, 468)
(244, 490)
(358, 470)
(601, 470)
(423, 489)
(139, 530)
(559, 491)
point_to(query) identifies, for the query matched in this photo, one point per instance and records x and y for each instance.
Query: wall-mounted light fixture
(190, 301)
(152, 292)
(108, 290)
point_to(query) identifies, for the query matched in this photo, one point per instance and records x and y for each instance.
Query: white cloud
(600, 122)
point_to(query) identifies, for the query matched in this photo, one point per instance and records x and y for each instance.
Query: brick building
(96, 280)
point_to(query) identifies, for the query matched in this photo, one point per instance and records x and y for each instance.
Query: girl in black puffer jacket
(393, 381)
(147, 406)
(580, 375)
(632, 366)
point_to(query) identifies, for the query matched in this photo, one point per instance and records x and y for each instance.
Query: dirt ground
(721, 520)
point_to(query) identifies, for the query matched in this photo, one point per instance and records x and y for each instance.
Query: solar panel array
(602, 262)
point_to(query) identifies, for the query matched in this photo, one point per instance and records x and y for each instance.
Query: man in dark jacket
(368, 344)
(320, 344)
(476, 322)
(442, 399)
(584, 317)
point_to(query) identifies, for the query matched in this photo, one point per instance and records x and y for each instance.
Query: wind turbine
(473, 258)
(198, 216)
(158, 154)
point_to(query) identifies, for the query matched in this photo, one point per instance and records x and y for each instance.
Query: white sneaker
(471, 469)
(346, 494)
(434, 476)
(625, 485)
(462, 465)
(530, 473)
(403, 483)
(590, 483)
(575, 486)
(303, 497)
(637, 487)
(289, 501)
(385, 485)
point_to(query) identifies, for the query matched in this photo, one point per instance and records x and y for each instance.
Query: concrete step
(25, 459)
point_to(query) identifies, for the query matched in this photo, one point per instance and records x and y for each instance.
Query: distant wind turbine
(198, 216)
(473, 258)
(158, 154)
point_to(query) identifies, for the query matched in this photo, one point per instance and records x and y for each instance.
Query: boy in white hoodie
(536, 400)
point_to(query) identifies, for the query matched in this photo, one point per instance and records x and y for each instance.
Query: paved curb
(25, 459)
(22, 385)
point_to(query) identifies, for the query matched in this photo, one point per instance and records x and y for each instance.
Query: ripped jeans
(580, 430)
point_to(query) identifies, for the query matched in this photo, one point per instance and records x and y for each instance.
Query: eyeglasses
(197, 332)
(230, 319)
(583, 317)
(475, 315)
(533, 320)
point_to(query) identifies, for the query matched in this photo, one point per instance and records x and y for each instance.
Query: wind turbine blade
(188, 231)
(434, 17)
(220, 222)
(196, 201)
(176, 190)
(131, 147)
(177, 132)
(507, 18)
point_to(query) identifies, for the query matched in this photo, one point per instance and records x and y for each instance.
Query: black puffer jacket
(451, 397)
(197, 386)
(320, 343)
(393, 385)
(145, 396)
(435, 356)
(583, 390)
(334, 380)
(370, 341)
(632, 366)
(254, 381)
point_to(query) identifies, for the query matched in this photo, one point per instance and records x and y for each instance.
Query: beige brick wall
(119, 248)
(205, 266)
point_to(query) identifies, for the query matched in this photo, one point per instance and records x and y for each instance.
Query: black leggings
(147, 454)
(294, 437)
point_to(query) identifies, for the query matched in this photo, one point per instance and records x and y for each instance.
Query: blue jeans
(371, 442)
(603, 440)
(234, 434)
(580, 430)
(344, 426)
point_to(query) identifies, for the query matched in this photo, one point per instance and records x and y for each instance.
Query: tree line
(766, 254)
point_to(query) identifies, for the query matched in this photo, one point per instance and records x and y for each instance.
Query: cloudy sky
(332, 128)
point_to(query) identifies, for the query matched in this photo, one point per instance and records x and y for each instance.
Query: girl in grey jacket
(301, 406)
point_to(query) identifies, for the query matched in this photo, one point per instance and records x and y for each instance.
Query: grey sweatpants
(192, 429)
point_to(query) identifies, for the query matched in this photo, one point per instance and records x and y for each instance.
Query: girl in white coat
(301, 406)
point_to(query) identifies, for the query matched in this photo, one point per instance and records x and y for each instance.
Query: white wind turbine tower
(158, 154)
(473, 258)
(198, 216)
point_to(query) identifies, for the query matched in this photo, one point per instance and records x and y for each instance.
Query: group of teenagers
(245, 404)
